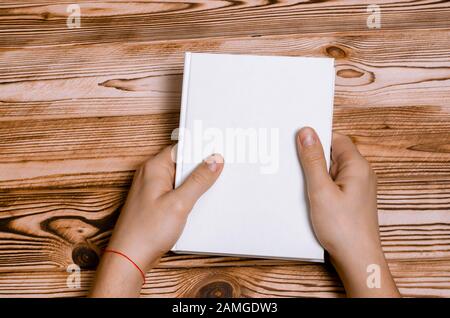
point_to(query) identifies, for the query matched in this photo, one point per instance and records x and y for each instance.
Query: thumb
(199, 181)
(311, 156)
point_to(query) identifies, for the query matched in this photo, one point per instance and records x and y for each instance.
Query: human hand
(152, 219)
(343, 207)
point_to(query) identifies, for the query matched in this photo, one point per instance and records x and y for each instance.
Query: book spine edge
(182, 126)
(183, 113)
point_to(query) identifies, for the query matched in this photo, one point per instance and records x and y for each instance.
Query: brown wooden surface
(81, 108)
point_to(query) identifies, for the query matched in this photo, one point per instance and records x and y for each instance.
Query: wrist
(365, 273)
(130, 261)
(362, 250)
(357, 259)
(116, 277)
(141, 254)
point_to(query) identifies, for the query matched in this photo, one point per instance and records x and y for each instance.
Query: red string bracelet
(129, 259)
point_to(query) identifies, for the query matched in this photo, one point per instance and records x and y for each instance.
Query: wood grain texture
(80, 109)
(143, 80)
(414, 279)
(37, 23)
(145, 77)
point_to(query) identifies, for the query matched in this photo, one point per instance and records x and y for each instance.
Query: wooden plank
(81, 108)
(414, 204)
(36, 23)
(414, 279)
(98, 152)
(110, 92)
(377, 69)
(53, 152)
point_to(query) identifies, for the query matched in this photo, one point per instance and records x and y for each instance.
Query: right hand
(343, 208)
(343, 205)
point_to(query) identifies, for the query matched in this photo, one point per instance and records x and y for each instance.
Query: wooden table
(81, 108)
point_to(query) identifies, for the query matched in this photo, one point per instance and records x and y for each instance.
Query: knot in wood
(85, 256)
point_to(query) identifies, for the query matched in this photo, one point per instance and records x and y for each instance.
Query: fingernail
(307, 137)
(211, 162)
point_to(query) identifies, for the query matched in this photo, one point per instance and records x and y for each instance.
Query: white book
(249, 109)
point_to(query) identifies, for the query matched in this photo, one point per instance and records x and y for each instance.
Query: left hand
(151, 221)
(154, 214)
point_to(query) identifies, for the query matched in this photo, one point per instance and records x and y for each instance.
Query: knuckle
(199, 178)
(179, 206)
(363, 165)
(313, 157)
(176, 205)
(366, 170)
(146, 168)
(323, 195)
